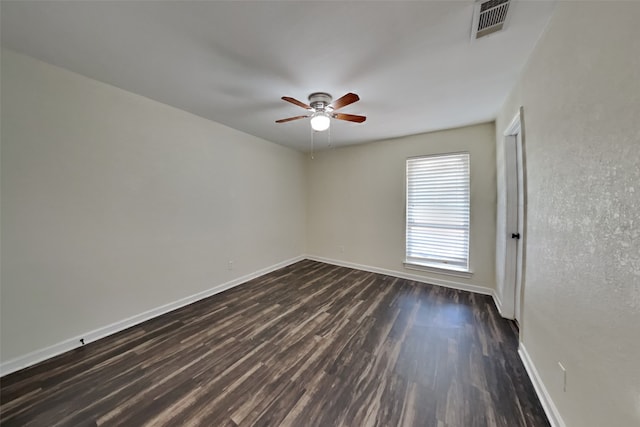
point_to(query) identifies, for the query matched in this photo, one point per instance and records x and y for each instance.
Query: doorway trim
(515, 219)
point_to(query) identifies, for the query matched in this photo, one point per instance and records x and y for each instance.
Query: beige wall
(581, 98)
(114, 204)
(356, 201)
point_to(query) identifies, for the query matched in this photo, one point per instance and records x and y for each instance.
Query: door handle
(515, 235)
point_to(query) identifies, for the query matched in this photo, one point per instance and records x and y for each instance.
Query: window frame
(430, 265)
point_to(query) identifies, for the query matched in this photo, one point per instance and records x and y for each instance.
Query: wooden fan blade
(349, 98)
(296, 102)
(290, 119)
(350, 117)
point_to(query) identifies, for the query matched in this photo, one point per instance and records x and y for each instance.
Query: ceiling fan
(322, 110)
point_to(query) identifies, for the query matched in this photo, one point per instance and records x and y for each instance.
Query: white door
(515, 220)
(518, 234)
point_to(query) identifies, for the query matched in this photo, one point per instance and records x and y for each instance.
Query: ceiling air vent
(489, 16)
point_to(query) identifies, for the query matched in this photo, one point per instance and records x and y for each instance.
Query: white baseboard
(71, 343)
(402, 275)
(497, 301)
(543, 395)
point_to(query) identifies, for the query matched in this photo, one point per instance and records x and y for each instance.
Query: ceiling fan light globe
(320, 122)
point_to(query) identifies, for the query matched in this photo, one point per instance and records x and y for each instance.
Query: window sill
(439, 270)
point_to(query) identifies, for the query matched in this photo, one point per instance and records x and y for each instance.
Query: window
(438, 197)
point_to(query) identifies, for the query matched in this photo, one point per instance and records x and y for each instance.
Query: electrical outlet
(564, 377)
(230, 265)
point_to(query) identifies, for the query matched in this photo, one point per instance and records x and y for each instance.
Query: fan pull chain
(312, 136)
(329, 136)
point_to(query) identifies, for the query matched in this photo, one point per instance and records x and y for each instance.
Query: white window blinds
(438, 197)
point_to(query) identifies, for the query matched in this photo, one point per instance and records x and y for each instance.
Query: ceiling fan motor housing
(319, 100)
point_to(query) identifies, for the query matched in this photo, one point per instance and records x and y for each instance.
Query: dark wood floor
(308, 345)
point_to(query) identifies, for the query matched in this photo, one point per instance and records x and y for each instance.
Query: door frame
(515, 218)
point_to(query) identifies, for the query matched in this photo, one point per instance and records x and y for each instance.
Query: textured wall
(113, 204)
(581, 97)
(356, 208)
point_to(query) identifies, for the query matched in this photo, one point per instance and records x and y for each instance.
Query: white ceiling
(412, 63)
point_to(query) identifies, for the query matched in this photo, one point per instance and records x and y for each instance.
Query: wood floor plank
(311, 344)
